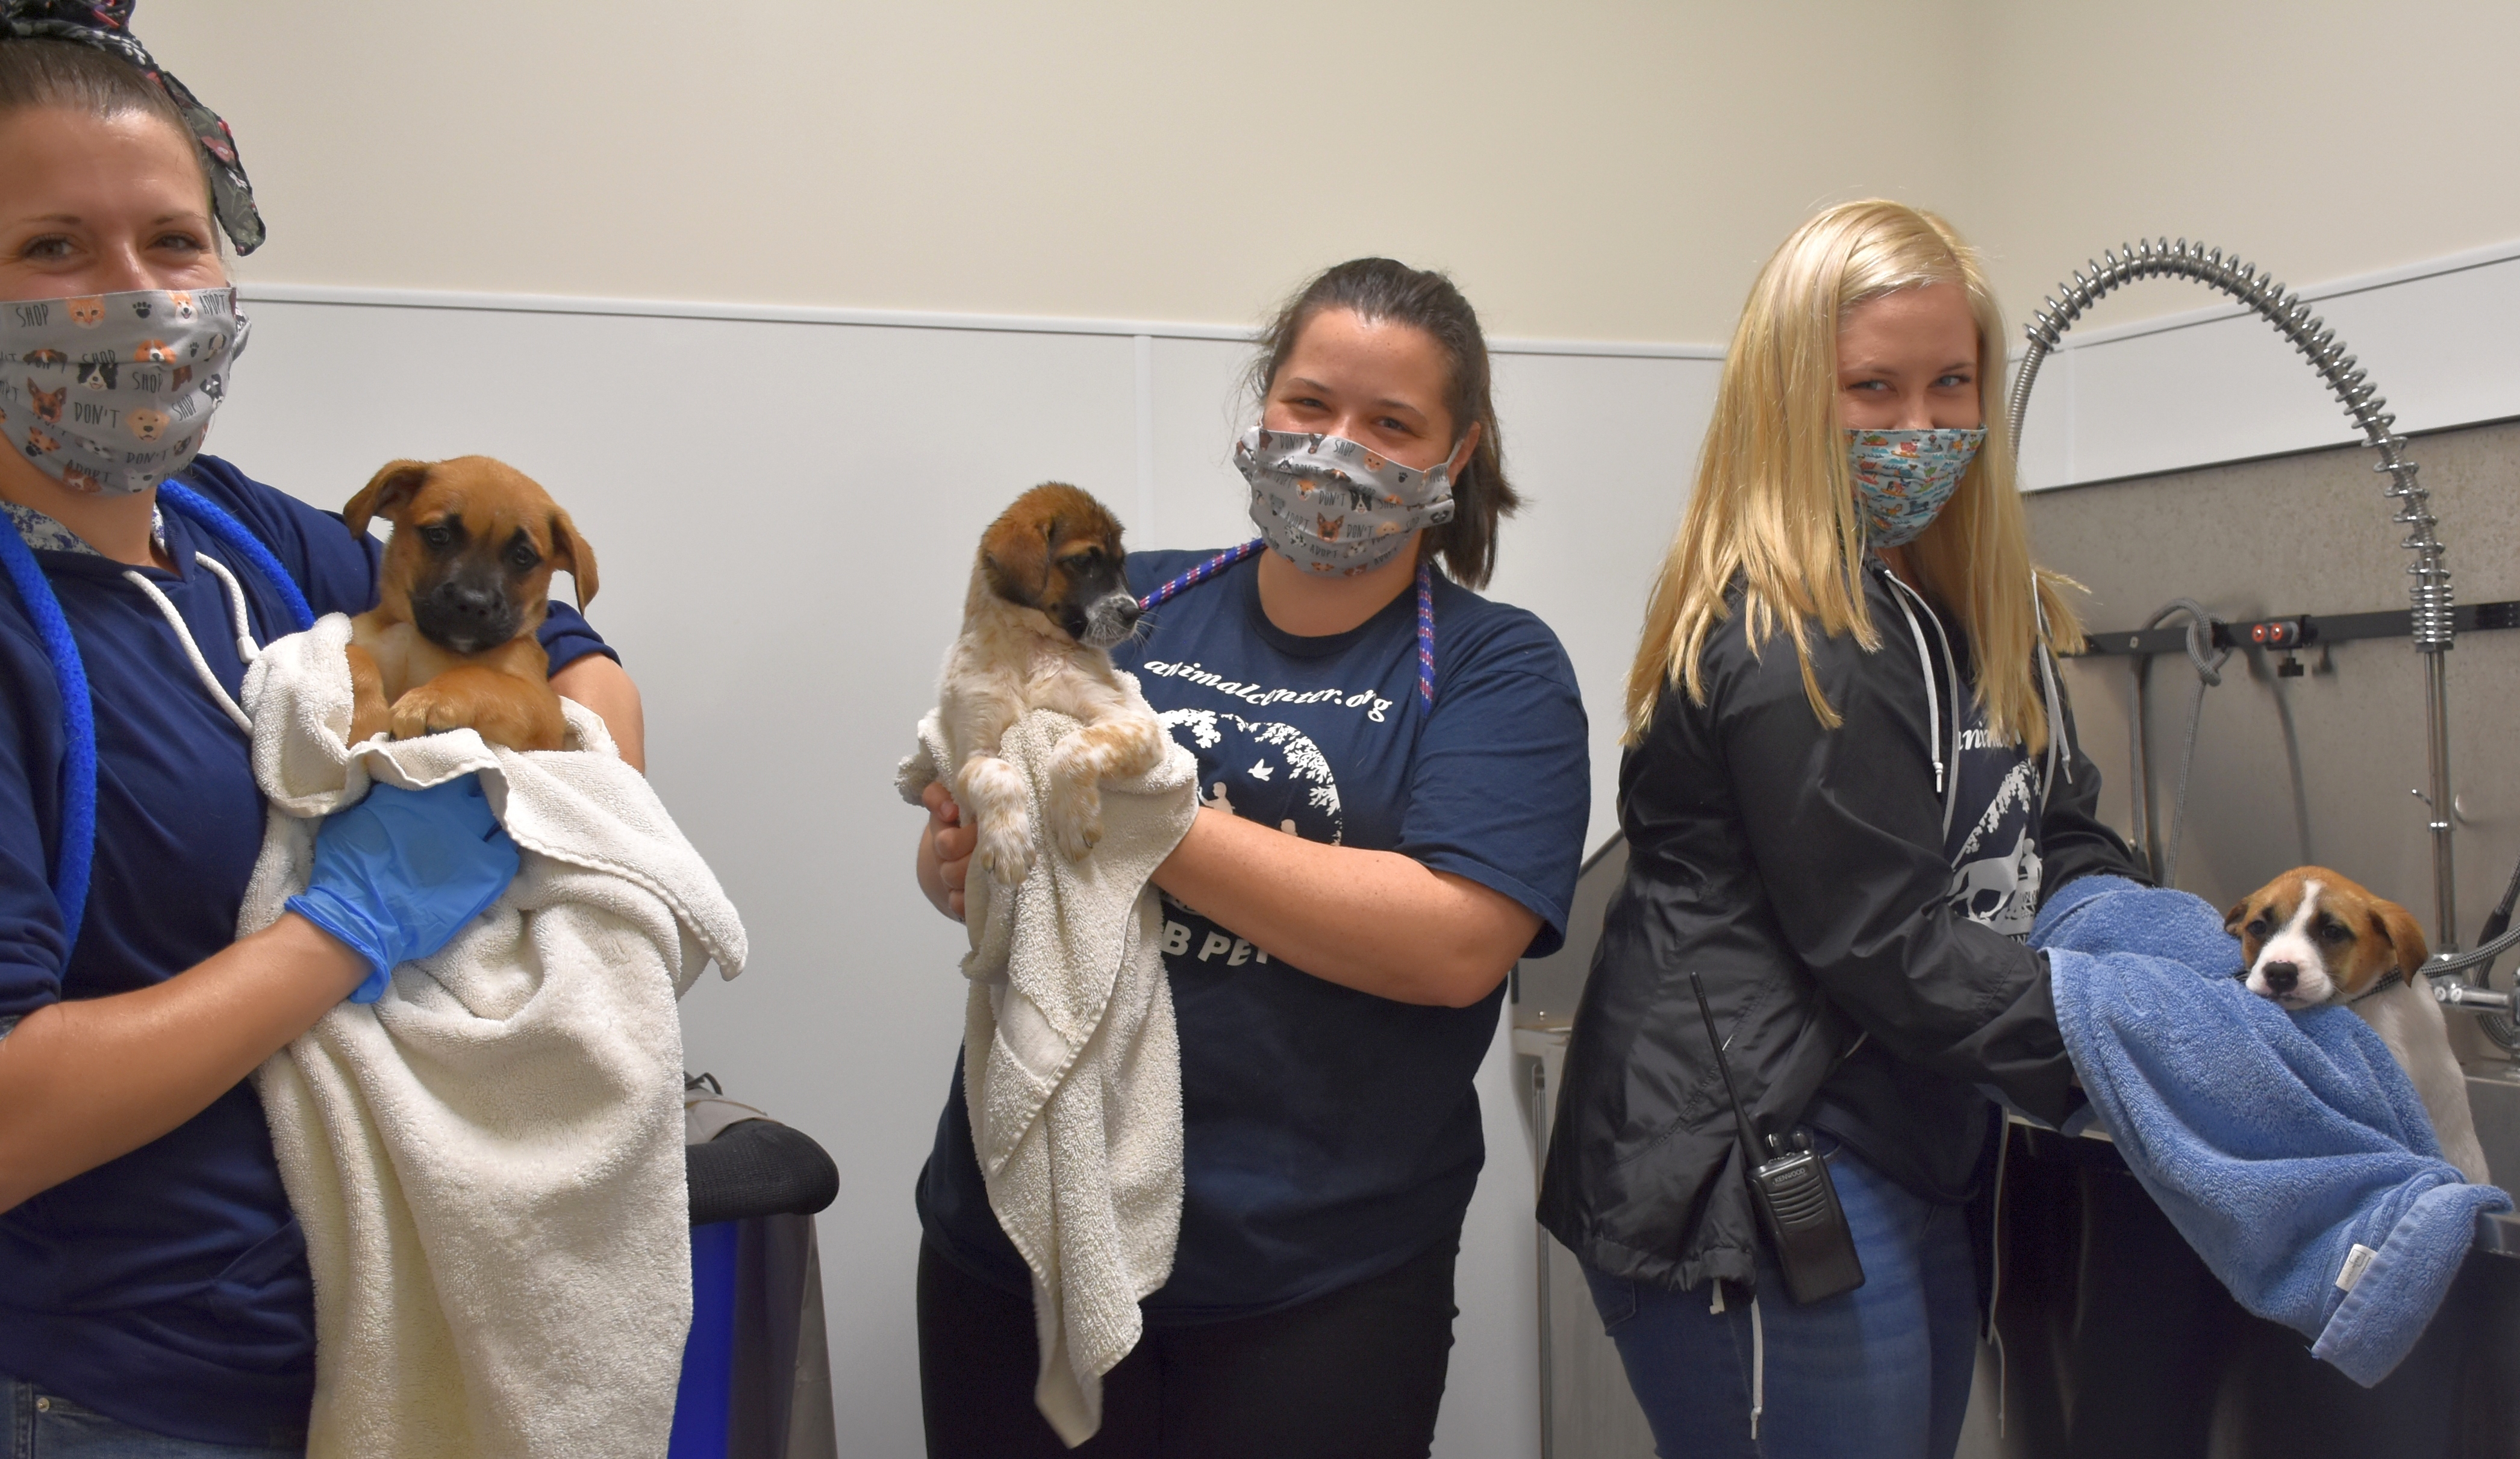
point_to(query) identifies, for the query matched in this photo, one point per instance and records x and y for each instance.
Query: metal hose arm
(2430, 596)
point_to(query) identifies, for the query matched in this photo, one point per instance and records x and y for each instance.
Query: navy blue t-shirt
(168, 1288)
(1330, 1134)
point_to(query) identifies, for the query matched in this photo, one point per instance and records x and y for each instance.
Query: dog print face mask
(1903, 478)
(1336, 506)
(112, 392)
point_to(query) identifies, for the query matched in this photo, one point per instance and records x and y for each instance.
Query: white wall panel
(1196, 403)
(784, 510)
(784, 516)
(1603, 450)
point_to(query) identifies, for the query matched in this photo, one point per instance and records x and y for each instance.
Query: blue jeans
(47, 1425)
(1882, 1372)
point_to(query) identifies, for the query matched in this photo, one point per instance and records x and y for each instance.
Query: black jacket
(1801, 872)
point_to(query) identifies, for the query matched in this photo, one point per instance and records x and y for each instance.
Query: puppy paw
(1076, 821)
(426, 711)
(1005, 849)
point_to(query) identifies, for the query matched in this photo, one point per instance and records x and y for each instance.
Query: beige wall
(1589, 169)
(2322, 139)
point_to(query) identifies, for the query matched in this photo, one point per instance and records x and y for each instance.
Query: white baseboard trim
(357, 297)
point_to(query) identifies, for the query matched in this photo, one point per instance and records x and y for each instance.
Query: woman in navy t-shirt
(153, 1294)
(1393, 786)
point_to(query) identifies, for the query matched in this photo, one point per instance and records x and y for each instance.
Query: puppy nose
(470, 603)
(1129, 612)
(2281, 977)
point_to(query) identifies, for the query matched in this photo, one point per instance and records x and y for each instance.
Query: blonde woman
(1849, 781)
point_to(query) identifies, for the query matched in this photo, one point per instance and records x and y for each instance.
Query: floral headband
(107, 28)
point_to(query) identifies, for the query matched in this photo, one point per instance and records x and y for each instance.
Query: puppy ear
(386, 495)
(2232, 919)
(572, 550)
(2405, 937)
(1015, 555)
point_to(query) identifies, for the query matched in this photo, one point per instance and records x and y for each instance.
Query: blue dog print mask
(1903, 478)
(113, 393)
(1336, 506)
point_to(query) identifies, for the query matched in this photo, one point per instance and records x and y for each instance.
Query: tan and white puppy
(1047, 602)
(2313, 937)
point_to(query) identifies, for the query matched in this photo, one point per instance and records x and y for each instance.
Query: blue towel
(2287, 1148)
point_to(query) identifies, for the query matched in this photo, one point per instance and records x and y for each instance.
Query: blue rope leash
(236, 537)
(79, 723)
(1232, 555)
(1200, 574)
(78, 705)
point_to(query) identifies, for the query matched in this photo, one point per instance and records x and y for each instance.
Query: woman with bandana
(1394, 789)
(153, 1295)
(1850, 780)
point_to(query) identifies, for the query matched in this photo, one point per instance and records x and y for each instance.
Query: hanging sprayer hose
(2430, 596)
(2164, 861)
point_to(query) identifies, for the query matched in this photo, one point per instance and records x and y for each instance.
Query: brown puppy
(2313, 937)
(450, 644)
(1047, 600)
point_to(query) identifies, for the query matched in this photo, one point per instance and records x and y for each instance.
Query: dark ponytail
(1382, 288)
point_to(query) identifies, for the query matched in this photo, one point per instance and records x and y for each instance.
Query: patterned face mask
(1903, 478)
(113, 393)
(1333, 506)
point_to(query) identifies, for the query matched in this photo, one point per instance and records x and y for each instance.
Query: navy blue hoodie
(168, 1288)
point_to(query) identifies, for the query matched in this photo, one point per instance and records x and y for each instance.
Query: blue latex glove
(399, 874)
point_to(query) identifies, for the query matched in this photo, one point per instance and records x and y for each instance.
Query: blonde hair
(1775, 503)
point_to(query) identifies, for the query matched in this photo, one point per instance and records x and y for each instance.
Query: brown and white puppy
(1047, 602)
(2313, 937)
(450, 644)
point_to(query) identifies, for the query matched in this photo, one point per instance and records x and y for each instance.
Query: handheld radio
(1796, 1199)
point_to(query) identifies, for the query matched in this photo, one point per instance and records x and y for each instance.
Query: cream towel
(1071, 1065)
(487, 1162)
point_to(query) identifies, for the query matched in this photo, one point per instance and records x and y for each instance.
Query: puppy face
(475, 546)
(1059, 551)
(146, 423)
(2313, 937)
(48, 403)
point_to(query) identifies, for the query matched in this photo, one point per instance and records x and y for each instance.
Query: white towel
(487, 1162)
(1071, 1065)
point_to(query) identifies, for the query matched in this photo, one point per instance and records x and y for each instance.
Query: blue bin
(702, 1404)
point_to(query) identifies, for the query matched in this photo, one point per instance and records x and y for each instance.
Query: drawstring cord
(1994, 1284)
(1946, 777)
(246, 648)
(1232, 555)
(1758, 1353)
(1758, 1367)
(77, 853)
(1933, 710)
(2055, 704)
